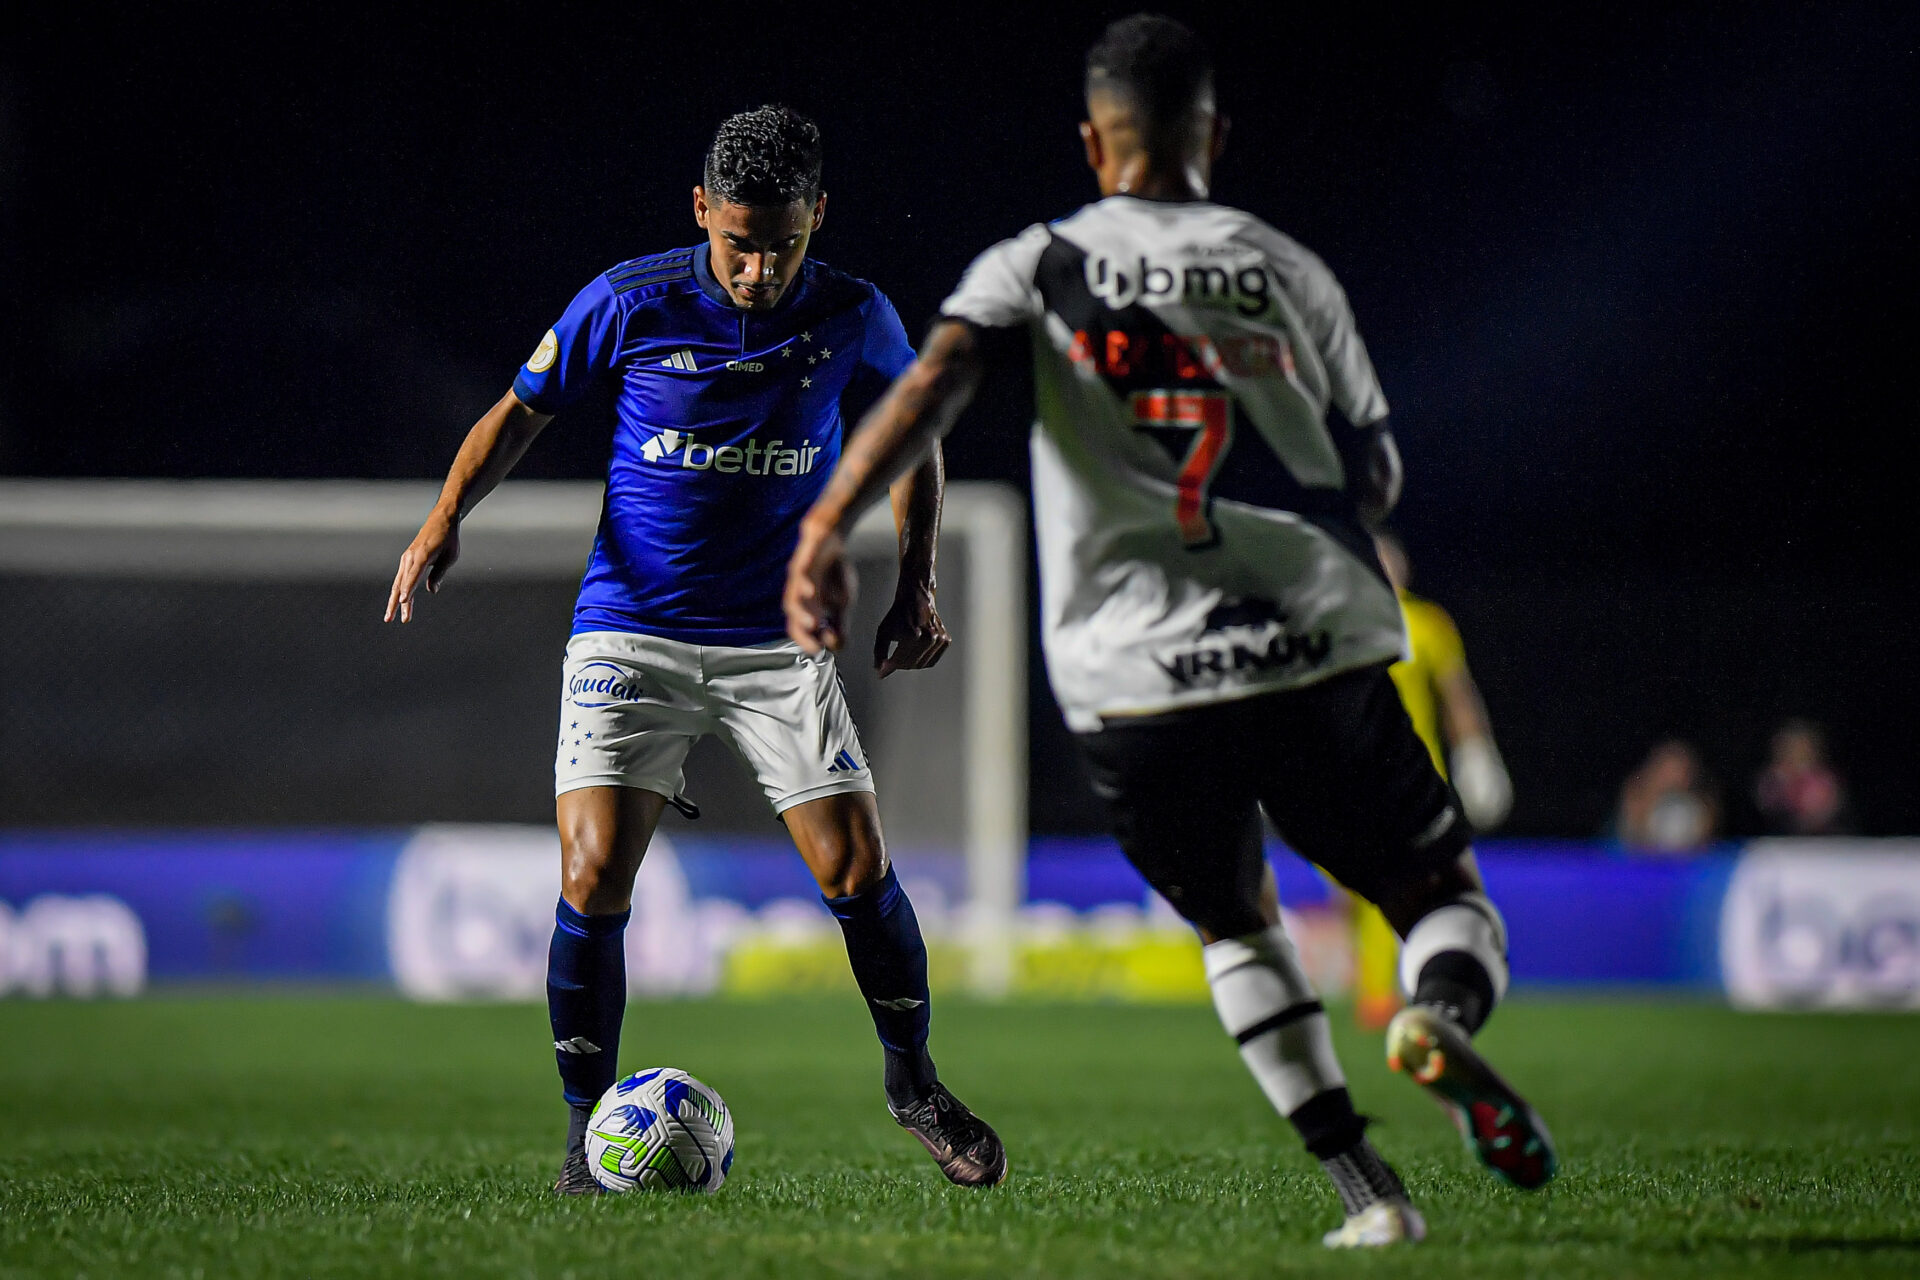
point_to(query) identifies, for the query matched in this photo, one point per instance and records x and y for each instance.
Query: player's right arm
(496, 442)
(575, 353)
(1357, 416)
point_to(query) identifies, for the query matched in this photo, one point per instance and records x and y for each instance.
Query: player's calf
(1454, 969)
(1266, 1003)
(1454, 959)
(889, 960)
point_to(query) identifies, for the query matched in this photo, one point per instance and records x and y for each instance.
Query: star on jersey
(806, 382)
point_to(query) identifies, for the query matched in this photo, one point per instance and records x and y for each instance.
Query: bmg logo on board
(87, 946)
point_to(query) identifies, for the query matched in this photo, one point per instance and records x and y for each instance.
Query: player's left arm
(912, 637)
(899, 434)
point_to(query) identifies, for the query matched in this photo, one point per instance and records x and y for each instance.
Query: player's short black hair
(1157, 62)
(767, 156)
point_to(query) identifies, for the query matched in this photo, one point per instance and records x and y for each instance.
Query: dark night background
(1640, 283)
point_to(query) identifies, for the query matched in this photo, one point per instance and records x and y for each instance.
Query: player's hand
(911, 636)
(431, 554)
(820, 588)
(1480, 780)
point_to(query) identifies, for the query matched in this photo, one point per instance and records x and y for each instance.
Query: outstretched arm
(901, 430)
(496, 442)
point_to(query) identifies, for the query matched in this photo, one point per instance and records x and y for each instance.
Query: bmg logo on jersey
(772, 459)
(1247, 287)
(601, 684)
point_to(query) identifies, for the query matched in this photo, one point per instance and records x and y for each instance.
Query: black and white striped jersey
(1198, 378)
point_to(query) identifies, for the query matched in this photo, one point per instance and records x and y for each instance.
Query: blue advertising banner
(454, 912)
(214, 905)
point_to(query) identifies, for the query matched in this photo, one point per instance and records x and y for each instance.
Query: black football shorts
(1336, 765)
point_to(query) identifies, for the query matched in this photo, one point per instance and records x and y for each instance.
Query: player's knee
(840, 841)
(849, 867)
(592, 878)
(1407, 900)
(1217, 911)
(1220, 900)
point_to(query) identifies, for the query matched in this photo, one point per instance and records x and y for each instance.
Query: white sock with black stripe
(1266, 1003)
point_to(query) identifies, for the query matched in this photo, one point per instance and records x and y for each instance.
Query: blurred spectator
(1667, 805)
(1798, 793)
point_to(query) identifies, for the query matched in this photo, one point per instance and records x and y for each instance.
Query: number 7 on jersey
(1209, 415)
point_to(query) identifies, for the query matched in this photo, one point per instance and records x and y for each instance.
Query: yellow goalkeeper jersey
(1437, 655)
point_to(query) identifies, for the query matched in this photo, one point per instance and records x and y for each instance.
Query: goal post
(114, 576)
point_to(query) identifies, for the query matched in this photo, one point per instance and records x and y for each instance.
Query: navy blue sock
(889, 961)
(586, 998)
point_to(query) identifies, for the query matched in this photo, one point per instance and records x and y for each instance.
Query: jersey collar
(709, 285)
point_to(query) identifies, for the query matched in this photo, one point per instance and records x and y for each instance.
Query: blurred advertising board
(1825, 924)
(465, 912)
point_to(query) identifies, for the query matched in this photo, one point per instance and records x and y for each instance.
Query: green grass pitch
(346, 1136)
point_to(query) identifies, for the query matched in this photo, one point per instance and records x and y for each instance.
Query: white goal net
(210, 653)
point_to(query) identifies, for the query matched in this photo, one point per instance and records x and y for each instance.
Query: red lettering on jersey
(1081, 352)
(1180, 356)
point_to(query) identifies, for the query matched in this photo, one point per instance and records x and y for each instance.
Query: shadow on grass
(1704, 1243)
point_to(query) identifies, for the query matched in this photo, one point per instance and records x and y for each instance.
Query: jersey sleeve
(998, 291)
(1352, 385)
(575, 353)
(884, 352)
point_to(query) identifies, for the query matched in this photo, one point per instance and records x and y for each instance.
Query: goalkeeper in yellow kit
(1445, 707)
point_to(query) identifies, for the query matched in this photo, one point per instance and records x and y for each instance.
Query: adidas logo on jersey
(771, 459)
(681, 360)
(844, 763)
(1247, 287)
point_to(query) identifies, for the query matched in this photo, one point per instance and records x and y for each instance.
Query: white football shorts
(632, 706)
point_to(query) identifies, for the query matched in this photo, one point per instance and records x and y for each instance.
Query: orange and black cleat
(1505, 1132)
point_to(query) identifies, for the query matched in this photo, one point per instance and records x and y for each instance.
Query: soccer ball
(660, 1130)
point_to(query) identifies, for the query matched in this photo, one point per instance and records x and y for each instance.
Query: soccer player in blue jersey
(739, 362)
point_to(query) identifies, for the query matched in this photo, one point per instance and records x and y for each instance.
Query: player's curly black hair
(767, 156)
(1157, 62)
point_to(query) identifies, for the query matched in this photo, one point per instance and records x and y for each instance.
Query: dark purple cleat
(576, 1179)
(965, 1147)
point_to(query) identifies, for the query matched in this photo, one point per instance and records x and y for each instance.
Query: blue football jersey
(730, 424)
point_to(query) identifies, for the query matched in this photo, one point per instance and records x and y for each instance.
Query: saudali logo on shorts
(601, 684)
(544, 355)
(1243, 634)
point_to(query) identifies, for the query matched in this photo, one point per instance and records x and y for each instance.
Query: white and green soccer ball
(660, 1130)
